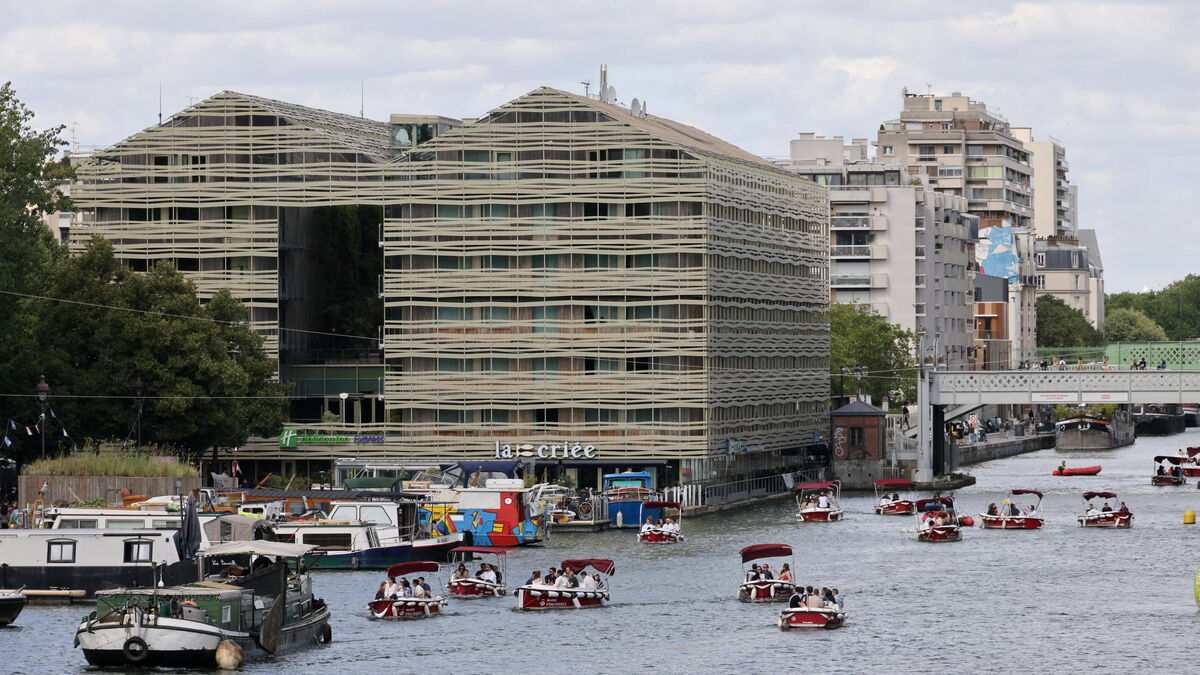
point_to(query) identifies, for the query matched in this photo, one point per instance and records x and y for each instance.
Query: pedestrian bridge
(1050, 387)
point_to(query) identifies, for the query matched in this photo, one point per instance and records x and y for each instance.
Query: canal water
(1061, 599)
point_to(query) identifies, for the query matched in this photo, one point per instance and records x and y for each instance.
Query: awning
(1101, 495)
(1027, 492)
(898, 483)
(601, 565)
(765, 551)
(401, 569)
(480, 549)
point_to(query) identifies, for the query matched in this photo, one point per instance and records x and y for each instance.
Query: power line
(179, 316)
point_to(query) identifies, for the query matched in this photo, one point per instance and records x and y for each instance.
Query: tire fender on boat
(326, 635)
(135, 650)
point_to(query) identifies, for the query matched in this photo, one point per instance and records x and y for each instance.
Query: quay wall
(88, 488)
(982, 452)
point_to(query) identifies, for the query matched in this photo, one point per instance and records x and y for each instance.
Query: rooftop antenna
(929, 88)
(362, 96)
(635, 108)
(192, 100)
(603, 90)
(587, 84)
(160, 103)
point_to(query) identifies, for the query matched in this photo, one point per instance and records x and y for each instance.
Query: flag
(65, 432)
(7, 441)
(52, 414)
(13, 424)
(28, 431)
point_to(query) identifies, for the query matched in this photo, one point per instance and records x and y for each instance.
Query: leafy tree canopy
(1061, 326)
(208, 382)
(860, 336)
(1130, 325)
(1175, 308)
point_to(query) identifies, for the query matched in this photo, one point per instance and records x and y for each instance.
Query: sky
(1118, 83)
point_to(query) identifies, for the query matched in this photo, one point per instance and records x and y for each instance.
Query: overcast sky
(1118, 83)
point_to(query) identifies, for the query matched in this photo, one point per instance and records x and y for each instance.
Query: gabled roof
(858, 408)
(360, 133)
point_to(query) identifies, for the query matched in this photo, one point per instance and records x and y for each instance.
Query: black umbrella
(189, 530)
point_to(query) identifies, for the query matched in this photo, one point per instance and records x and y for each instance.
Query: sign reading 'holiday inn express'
(290, 438)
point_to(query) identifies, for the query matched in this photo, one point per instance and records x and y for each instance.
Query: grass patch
(111, 464)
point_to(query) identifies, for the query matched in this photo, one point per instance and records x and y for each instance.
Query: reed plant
(129, 464)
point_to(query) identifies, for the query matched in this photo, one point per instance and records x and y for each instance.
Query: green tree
(861, 337)
(1175, 308)
(29, 178)
(1130, 325)
(208, 380)
(1061, 326)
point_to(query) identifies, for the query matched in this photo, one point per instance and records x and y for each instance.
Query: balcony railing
(850, 280)
(850, 251)
(850, 222)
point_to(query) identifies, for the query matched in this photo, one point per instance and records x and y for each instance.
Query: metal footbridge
(1050, 387)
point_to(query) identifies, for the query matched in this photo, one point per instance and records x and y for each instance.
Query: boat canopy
(480, 549)
(800, 487)
(765, 551)
(411, 567)
(259, 547)
(628, 474)
(934, 503)
(898, 483)
(1101, 495)
(599, 564)
(507, 467)
(659, 505)
(1172, 459)
(1027, 492)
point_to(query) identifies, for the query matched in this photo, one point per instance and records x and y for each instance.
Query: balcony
(849, 222)
(850, 251)
(858, 280)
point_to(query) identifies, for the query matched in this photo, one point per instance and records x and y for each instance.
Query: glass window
(591, 261)
(125, 524)
(494, 313)
(544, 214)
(476, 156)
(645, 415)
(974, 149)
(925, 150)
(455, 365)
(546, 365)
(642, 260)
(494, 416)
(496, 262)
(60, 552)
(948, 150)
(495, 365)
(74, 523)
(889, 150)
(545, 318)
(597, 313)
(642, 312)
(454, 313)
(375, 514)
(603, 416)
(138, 551)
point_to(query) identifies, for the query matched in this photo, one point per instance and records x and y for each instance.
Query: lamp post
(42, 390)
(343, 396)
(859, 373)
(140, 388)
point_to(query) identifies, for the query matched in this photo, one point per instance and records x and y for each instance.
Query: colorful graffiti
(500, 520)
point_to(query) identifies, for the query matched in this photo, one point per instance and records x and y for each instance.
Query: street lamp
(140, 388)
(42, 390)
(343, 396)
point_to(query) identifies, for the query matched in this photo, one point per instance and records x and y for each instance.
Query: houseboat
(1010, 516)
(346, 544)
(589, 593)
(403, 522)
(246, 607)
(626, 493)
(892, 497)
(1117, 515)
(73, 564)
(11, 604)
(497, 514)
(757, 588)
(409, 607)
(1089, 432)
(1158, 420)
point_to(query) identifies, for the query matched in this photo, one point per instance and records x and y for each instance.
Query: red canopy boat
(1000, 520)
(756, 588)
(1079, 471)
(812, 617)
(396, 606)
(481, 585)
(818, 502)
(937, 520)
(588, 593)
(889, 502)
(1191, 468)
(667, 533)
(1116, 516)
(1169, 476)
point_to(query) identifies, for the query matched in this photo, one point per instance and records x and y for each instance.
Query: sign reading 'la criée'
(553, 451)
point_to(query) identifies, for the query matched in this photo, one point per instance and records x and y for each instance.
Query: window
(937, 104)
(645, 415)
(603, 416)
(856, 438)
(374, 514)
(139, 551)
(1039, 280)
(546, 319)
(949, 171)
(73, 523)
(226, 613)
(125, 524)
(60, 552)
(925, 150)
(598, 313)
(889, 150)
(494, 365)
(947, 149)
(1041, 260)
(642, 312)
(493, 313)
(547, 365)
(493, 416)
(974, 149)
(592, 261)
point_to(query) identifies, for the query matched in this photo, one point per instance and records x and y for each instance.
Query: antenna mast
(362, 96)
(160, 103)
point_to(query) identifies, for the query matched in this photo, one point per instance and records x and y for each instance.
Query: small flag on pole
(7, 441)
(28, 431)
(13, 424)
(65, 432)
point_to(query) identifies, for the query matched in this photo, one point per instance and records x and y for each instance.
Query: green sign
(291, 438)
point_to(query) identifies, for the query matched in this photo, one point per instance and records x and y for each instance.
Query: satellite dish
(635, 108)
(610, 94)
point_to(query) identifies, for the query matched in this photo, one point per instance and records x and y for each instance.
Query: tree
(1175, 308)
(1130, 325)
(29, 179)
(861, 337)
(1061, 326)
(208, 380)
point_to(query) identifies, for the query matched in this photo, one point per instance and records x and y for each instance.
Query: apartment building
(564, 275)
(956, 146)
(1067, 271)
(903, 249)
(1053, 194)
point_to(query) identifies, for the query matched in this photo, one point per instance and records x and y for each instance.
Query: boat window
(86, 524)
(166, 524)
(125, 524)
(328, 541)
(375, 514)
(372, 537)
(226, 613)
(60, 552)
(138, 550)
(344, 513)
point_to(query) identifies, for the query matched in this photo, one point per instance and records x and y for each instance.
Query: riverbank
(999, 445)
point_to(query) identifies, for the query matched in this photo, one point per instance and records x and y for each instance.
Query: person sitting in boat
(838, 599)
(1162, 471)
(551, 577)
(648, 525)
(671, 525)
(1107, 508)
(403, 589)
(991, 510)
(785, 573)
(814, 599)
(1030, 511)
(1014, 510)
(598, 581)
(391, 588)
(827, 596)
(488, 573)
(766, 573)
(420, 589)
(797, 599)
(885, 500)
(1062, 467)
(754, 574)
(587, 583)
(460, 573)
(823, 501)
(535, 579)
(1091, 510)
(1123, 509)
(381, 594)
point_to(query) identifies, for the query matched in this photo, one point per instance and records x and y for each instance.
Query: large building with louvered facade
(563, 279)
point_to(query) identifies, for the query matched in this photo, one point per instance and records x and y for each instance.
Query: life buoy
(135, 649)
(326, 635)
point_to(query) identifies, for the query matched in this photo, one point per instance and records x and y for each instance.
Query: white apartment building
(956, 146)
(1053, 194)
(905, 250)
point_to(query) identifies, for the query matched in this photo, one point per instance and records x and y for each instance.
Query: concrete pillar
(924, 471)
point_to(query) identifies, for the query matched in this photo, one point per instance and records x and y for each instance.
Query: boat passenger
(1062, 467)
(1030, 512)
(426, 591)
(753, 574)
(535, 579)
(823, 501)
(814, 599)
(1123, 509)
(598, 581)
(488, 573)
(551, 577)
(1091, 510)
(648, 525)
(885, 500)
(766, 572)
(785, 574)
(405, 591)
(460, 573)
(1107, 508)
(587, 583)
(827, 596)
(572, 579)
(391, 588)
(992, 510)
(838, 599)
(382, 592)
(797, 599)
(563, 580)
(1161, 470)
(1014, 510)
